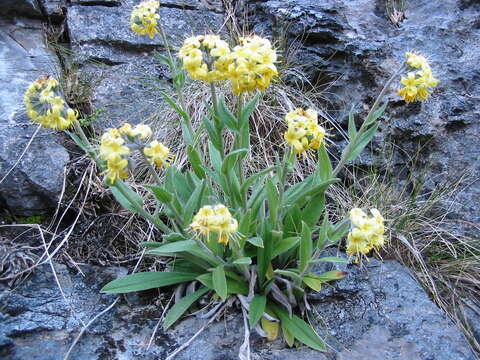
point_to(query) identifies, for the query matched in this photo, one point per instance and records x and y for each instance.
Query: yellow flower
(112, 145)
(367, 232)
(418, 84)
(158, 154)
(143, 19)
(217, 220)
(206, 57)
(303, 133)
(141, 130)
(253, 65)
(117, 168)
(46, 107)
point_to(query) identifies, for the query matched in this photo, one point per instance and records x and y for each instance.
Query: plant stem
(363, 127)
(283, 176)
(156, 221)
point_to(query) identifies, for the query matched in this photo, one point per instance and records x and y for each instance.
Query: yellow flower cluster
(114, 149)
(304, 132)
(216, 219)
(253, 65)
(250, 66)
(45, 105)
(143, 19)
(158, 154)
(206, 57)
(418, 84)
(367, 232)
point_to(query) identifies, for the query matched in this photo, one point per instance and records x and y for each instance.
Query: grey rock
(126, 75)
(377, 312)
(34, 185)
(20, 7)
(54, 9)
(353, 47)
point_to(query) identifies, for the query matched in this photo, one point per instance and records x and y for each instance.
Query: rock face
(378, 313)
(353, 47)
(119, 63)
(33, 186)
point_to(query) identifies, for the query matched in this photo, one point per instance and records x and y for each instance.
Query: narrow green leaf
(233, 286)
(232, 158)
(330, 275)
(195, 162)
(174, 247)
(323, 233)
(257, 241)
(291, 274)
(305, 251)
(213, 134)
(284, 245)
(313, 283)
(288, 336)
(256, 309)
(145, 281)
(243, 261)
(254, 177)
(324, 165)
(170, 101)
(193, 203)
(150, 244)
(181, 307)
(376, 114)
(338, 231)
(314, 209)
(331, 259)
(220, 282)
(162, 59)
(247, 109)
(352, 130)
(174, 236)
(137, 200)
(362, 142)
(227, 117)
(272, 197)
(299, 329)
(161, 194)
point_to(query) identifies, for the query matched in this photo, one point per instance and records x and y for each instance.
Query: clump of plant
(230, 237)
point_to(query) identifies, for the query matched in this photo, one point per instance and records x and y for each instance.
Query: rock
(21, 7)
(352, 47)
(34, 185)
(127, 76)
(53, 9)
(379, 312)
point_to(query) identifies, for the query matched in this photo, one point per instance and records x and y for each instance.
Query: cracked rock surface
(376, 313)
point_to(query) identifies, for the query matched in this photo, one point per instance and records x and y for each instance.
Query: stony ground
(378, 312)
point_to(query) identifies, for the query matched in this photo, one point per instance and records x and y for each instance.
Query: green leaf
(305, 251)
(161, 194)
(313, 210)
(193, 203)
(338, 231)
(233, 286)
(313, 283)
(307, 195)
(174, 236)
(195, 161)
(215, 157)
(247, 110)
(170, 101)
(80, 143)
(162, 59)
(254, 177)
(220, 282)
(324, 165)
(362, 142)
(227, 117)
(352, 130)
(299, 329)
(145, 281)
(323, 233)
(243, 261)
(330, 275)
(257, 241)
(284, 245)
(213, 135)
(150, 244)
(331, 259)
(291, 274)
(232, 158)
(137, 200)
(272, 197)
(256, 309)
(376, 114)
(174, 247)
(288, 336)
(181, 306)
